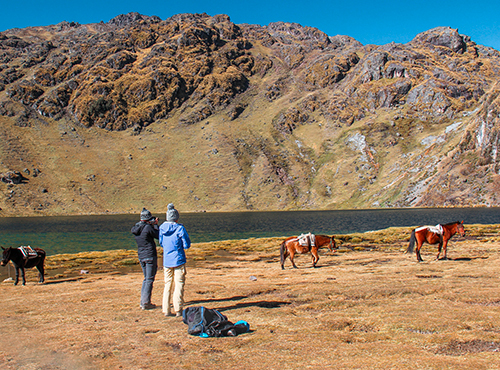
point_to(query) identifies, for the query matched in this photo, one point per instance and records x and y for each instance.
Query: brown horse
(434, 235)
(21, 262)
(291, 246)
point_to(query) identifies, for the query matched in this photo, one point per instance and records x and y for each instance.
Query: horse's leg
(23, 276)
(445, 248)
(440, 246)
(285, 255)
(16, 281)
(41, 272)
(315, 256)
(292, 254)
(419, 246)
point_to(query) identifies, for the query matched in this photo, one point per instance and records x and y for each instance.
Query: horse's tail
(282, 253)
(411, 246)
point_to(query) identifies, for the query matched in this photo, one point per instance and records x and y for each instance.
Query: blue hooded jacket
(174, 239)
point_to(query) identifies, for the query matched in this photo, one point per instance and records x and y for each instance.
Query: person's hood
(168, 228)
(137, 228)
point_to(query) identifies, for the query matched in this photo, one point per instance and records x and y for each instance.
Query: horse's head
(5, 256)
(460, 228)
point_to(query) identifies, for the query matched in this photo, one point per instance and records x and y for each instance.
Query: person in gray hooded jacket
(145, 232)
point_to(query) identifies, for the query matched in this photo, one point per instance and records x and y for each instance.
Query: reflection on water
(73, 234)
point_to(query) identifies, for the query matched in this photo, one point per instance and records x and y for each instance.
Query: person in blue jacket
(145, 232)
(174, 239)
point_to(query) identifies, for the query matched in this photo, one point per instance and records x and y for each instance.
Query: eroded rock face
(93, 75)
(135, 69)
(483, 135)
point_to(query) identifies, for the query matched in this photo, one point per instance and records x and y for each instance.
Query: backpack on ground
(207, 322)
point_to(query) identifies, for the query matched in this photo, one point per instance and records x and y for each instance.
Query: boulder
(12, 177)
(441, 36)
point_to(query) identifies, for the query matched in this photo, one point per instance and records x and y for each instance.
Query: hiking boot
(148, 306)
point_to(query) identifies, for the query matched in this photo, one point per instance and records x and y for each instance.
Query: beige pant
(174, 288)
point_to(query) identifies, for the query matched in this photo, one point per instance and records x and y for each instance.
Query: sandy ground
(358, 310)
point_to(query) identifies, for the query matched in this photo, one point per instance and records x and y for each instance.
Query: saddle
(438, 229)
(307, 239)
(28, 252)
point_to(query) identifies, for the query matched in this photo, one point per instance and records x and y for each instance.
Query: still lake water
(72, 234)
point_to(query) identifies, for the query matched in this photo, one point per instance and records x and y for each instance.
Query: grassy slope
(205, 166)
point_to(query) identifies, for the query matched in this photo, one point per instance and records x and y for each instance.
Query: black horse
(21, 262)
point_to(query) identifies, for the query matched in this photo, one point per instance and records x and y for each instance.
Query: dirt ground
(360, 309)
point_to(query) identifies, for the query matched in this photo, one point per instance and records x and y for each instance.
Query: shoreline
(70, 265)
(248, 211)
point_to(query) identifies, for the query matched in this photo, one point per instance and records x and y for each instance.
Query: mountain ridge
(214, 116)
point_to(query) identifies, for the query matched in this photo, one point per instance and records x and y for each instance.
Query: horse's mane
(452, 223)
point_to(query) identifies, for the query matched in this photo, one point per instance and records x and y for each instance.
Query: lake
(72, 234)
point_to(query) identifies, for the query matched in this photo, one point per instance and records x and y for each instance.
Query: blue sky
(370, 22)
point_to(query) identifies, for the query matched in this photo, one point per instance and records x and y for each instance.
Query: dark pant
(149, 268)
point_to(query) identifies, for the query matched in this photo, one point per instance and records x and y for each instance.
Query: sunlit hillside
(215, 116)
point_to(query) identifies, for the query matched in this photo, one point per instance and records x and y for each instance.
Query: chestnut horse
(21, 262)
(291, 246)
(434, 235)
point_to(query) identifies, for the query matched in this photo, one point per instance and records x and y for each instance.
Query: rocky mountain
(215, 116)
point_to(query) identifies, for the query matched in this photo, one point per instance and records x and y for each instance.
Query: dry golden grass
(367, 306)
